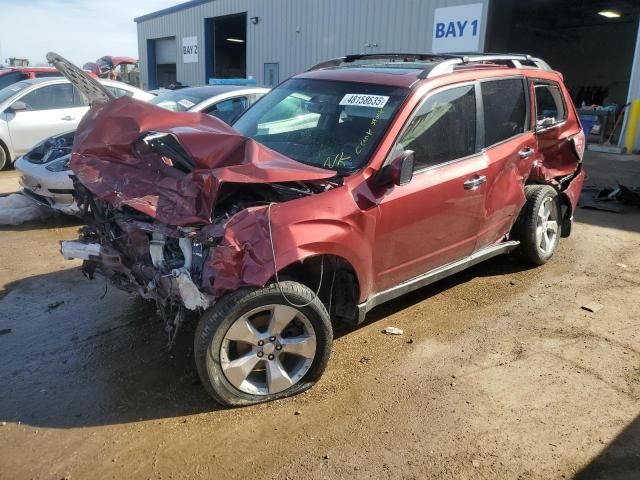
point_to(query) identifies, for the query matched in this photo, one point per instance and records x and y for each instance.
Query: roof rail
(442, 63)
(511, 60)
(399, 57)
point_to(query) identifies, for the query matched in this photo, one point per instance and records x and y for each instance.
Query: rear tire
(538, 227)
(252, 346)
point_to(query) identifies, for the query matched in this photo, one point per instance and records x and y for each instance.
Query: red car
(346, 186)
(11, 75)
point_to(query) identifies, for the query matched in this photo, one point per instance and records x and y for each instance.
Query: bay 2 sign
(189, 49)
(457, 29)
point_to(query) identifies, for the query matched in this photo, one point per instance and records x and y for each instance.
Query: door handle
(474, 182)
(526, 152)
(68, 118)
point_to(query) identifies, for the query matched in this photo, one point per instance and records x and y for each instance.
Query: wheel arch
(332, 277)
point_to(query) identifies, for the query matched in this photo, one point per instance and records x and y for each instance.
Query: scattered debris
(393, 331)
(5, 331)
(592, 307)
(16, 209)
(54, 305)
(365, 360)
(599, 198)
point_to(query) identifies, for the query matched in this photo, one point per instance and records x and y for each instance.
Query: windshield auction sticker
(357, 100)
(186, 103)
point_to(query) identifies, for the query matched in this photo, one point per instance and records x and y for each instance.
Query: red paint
(387, 234)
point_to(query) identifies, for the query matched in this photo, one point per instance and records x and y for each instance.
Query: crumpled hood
(106, 161)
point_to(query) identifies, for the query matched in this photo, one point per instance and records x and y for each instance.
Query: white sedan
(45, 169)
(32, 110)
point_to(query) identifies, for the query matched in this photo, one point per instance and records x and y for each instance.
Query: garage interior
(162, 56)
(594, 52)
(226, 46)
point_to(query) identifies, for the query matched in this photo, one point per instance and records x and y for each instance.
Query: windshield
(11, 90)
(179, 100)
(328, 124)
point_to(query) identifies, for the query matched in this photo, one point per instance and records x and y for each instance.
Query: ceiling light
(609, 13)
(235, 40)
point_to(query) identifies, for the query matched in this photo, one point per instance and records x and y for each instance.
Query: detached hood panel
(105, 159)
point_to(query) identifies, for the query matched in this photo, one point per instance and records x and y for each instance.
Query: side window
(505, 109)
(11, 78)
(49, 98)
(550, 106)
(444, 128)
(229, 110)
(119, 92)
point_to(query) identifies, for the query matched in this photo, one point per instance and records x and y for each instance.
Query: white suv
(32, 110)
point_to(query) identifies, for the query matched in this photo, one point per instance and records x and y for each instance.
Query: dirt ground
(499, 374)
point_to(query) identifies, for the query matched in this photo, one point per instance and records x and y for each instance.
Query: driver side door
(434, 219)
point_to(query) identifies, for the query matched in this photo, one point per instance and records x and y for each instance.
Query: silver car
(45, 169)
(32, 110)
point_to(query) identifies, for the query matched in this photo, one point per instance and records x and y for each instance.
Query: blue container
(588, 121)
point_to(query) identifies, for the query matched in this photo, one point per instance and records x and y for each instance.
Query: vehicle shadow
(500, 265)
(619, 459)
(75, 355)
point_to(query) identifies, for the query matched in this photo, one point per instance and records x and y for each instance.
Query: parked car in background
(11, 75)
(122, 69)
(414, 167)
(45, 168)
(226, 102)
(32, 110)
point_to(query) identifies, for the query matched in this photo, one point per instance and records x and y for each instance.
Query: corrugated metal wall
(299, 33)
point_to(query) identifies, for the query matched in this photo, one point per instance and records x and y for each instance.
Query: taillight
(579, 143)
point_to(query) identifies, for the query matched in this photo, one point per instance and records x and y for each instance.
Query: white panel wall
(300, 33)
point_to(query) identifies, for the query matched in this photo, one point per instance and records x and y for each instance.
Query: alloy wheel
(268, 349)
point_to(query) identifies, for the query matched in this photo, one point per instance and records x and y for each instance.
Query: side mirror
(17, 107)
(544, 123)
(399, 171)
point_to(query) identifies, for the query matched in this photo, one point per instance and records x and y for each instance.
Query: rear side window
(49, 97)
(550, 106)
(444, 128)
(505, 109)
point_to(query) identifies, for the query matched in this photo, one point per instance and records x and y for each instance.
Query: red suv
(346, 186)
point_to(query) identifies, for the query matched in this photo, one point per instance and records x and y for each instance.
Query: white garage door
(166, 50)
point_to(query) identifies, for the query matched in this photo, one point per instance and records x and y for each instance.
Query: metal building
(596, 44)
(279, 37)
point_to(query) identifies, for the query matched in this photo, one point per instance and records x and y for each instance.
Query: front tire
(253, 346)
(538, 226)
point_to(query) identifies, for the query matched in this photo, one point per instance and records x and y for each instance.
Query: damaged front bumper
(174, 286)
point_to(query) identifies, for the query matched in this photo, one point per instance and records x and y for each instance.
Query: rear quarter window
(550, 105)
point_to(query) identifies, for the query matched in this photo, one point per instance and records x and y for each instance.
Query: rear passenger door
(434, 219)
(510, 147)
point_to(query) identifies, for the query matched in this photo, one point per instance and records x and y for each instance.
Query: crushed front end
(176, 204)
